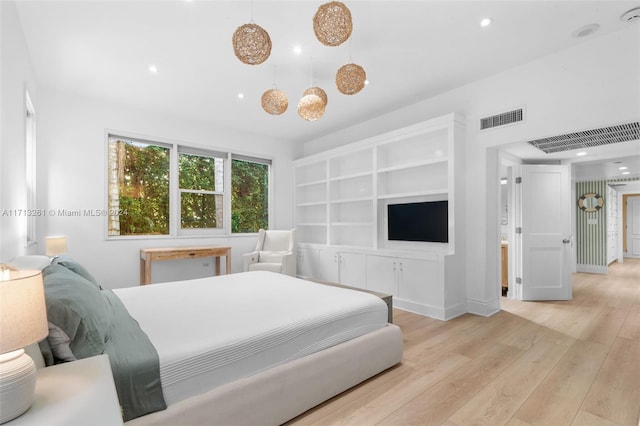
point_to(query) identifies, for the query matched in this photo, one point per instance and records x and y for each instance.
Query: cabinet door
(352, 269)
(419, 281)
(321, 264)
(382, 274)
(327, 265)
(308, 262)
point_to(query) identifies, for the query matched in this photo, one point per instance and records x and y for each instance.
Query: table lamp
(23, 321)
(55, 246)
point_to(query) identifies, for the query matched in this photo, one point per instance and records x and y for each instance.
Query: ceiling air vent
(589, 138)
(503, 119)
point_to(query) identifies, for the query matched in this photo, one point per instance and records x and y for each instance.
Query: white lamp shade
(55, 245)
(23, 313)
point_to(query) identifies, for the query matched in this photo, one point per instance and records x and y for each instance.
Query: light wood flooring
(533, 363)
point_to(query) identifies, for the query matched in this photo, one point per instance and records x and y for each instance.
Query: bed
(246, 348)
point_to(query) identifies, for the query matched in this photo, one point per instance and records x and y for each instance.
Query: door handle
(566, 241)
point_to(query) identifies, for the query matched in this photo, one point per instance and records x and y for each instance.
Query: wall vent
(589, 138)
(502, 119)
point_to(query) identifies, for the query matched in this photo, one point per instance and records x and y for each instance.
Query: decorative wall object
(311, 107)
(350, 79)
(332, 23)
(274, 101)
(590, 202)
(251, 44)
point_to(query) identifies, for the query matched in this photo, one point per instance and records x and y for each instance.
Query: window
(138, 186)
(153, 191)
(201, 182)
(30, 167)
(249, 194)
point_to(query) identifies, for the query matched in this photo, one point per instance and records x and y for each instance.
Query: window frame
(259, 160)
(177, 147)
(191, 232)
(30, 145)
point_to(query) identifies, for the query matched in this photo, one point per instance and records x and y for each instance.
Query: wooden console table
(147, 256)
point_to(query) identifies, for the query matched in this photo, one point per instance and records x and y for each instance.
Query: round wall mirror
(590, 202)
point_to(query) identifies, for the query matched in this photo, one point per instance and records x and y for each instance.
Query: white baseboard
(592, 269)
(449, 312)
(483, 308)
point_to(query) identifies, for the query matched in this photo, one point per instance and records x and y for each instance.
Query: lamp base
(17, 384)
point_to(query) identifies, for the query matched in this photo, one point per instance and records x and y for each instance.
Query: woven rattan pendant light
(274, 101)
(311, 107)
(350, 79)
(332, 23)
(251, 44)
(318, 92)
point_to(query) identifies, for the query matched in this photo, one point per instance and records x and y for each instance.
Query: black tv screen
(425, 222)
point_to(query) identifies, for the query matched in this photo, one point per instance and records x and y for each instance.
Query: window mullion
(174, 193)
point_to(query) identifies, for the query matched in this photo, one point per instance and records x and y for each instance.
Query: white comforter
(212, 331)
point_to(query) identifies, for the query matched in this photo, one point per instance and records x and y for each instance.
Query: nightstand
(74, 393)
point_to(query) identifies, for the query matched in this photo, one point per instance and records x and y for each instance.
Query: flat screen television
(424, 222)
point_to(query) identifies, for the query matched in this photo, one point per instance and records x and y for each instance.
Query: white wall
(16, 76)
(72, 176)
(592, 85)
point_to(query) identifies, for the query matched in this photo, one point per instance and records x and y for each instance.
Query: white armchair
(275, 251)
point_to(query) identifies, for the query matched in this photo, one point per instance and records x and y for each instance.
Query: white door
(633, 226)
(546, 232)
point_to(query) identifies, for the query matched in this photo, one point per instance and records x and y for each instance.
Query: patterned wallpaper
(591, 227)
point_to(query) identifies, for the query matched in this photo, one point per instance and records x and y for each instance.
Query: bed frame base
(277, 395)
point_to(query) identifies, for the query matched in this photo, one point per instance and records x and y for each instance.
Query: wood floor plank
(595, 382)
(615, 394)
(587, 419)
(500, 399)
(557, 399)
(631, 327)
(436, 404)
(386, 402)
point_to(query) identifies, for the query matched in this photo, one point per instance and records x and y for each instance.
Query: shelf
(358, 224)
(412, 165)
(351, 200)
(315, 182)
(439, 191)
(312, 203)
(351, 176)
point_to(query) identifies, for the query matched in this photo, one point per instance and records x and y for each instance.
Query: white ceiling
(411, 50)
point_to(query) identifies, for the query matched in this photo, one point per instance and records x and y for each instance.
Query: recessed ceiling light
(625, 173)
(581, 154)
(486, 22)
(585, 31)
(297, 49)
(240, 95)
(153, 69)
(622, 168)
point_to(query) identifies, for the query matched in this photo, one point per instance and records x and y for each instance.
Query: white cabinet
(328, 264)
(416, 284)
(382, 274)
(341, 204)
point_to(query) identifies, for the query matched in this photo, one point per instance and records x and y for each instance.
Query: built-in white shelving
(341, 199)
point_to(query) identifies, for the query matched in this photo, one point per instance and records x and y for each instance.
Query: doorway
(631, 225)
